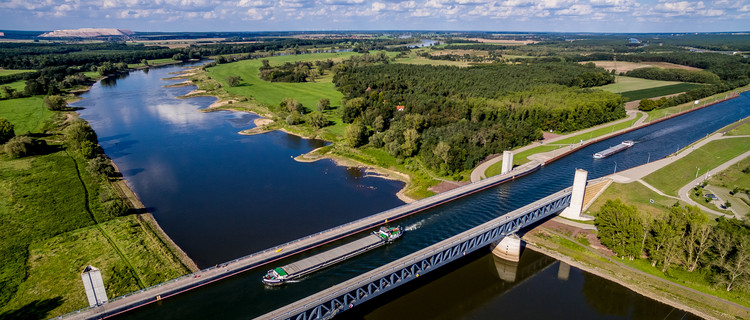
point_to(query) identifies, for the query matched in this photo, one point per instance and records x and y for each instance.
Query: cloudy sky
(310, 15)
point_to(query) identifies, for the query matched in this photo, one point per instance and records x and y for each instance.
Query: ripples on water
(244, 296)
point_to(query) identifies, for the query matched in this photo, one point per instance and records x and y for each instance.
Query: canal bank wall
(222, 271)
(633, 128)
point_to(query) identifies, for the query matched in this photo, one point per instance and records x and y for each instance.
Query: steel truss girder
(406, 269)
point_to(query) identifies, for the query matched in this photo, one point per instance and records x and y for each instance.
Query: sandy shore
(369, 170)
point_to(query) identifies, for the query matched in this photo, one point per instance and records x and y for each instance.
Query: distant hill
(88, 33)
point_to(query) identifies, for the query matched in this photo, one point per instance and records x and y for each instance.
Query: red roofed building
(399, 108)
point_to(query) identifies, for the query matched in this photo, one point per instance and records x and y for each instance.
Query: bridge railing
(346, 294)
(405, 210)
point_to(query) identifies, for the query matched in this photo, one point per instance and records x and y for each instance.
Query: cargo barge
(296, 270)
(612, 150)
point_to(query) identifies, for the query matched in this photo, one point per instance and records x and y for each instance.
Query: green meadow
(674, 176)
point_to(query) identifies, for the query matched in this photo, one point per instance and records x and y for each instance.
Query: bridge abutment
(508, 248)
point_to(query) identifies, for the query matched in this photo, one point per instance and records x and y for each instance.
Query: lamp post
(696, 172)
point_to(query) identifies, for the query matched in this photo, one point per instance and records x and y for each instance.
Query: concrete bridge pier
(576, 200)
(508, 248)
(507, 162)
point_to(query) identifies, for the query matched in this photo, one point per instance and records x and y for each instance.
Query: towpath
(637, 173)
(479, 172)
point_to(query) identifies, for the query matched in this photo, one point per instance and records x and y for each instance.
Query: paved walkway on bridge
(479, 172)
(268, 256)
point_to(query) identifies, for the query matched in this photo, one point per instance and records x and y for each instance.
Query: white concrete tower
(94, 285)
(576, 201)
(507, 162)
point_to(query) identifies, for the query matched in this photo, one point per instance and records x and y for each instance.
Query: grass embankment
(646, 280)
(665, 112)
(674, 176)
(522, 157)
(636, 194)
(639, 196)
(49, 209)
(741, 130)
(263, 97)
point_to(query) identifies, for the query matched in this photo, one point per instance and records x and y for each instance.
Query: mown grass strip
(672, 177)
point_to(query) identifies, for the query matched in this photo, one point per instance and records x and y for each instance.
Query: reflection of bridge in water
(367, 286)
(471, 286)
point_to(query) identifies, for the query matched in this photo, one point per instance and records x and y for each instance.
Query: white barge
(612, 150)
(322, 260)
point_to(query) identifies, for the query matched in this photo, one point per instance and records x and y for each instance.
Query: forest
(682, 239)
(454, 117)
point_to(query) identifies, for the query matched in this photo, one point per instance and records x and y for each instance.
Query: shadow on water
(479, 287)
(34, 310)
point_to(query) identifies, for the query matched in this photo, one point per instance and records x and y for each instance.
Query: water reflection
(217, 194)
(537, 287)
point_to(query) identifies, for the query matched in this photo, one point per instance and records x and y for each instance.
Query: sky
(627, 16)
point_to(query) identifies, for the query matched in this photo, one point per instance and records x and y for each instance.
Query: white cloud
(257, 14)
(576, 10)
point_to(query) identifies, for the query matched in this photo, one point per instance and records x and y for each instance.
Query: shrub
(100, 166)
(21, 146)
(323, 104)
(55, 103)
(233, 81)
(89, 150)
(115, 208)
(78, 132)
(318, 120)
(6, 130)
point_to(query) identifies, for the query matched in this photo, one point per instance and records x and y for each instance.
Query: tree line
(454, 117)
(681, 239)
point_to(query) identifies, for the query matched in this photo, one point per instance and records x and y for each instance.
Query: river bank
(265, 124)
(126, 192)
(551, 242)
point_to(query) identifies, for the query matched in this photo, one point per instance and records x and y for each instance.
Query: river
(220, 195)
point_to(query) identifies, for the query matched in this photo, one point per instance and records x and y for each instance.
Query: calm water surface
(221, 195)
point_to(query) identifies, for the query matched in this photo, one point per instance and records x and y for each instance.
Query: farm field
(26, 114)
(271, 93)
(625, 84)
(7, 72)
(624, 66)
(659, 91)
(413, 59)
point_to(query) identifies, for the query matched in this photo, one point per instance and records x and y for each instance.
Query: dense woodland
(681, 239)
(454, 117)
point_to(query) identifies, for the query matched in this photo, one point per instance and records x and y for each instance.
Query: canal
(221, 195)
